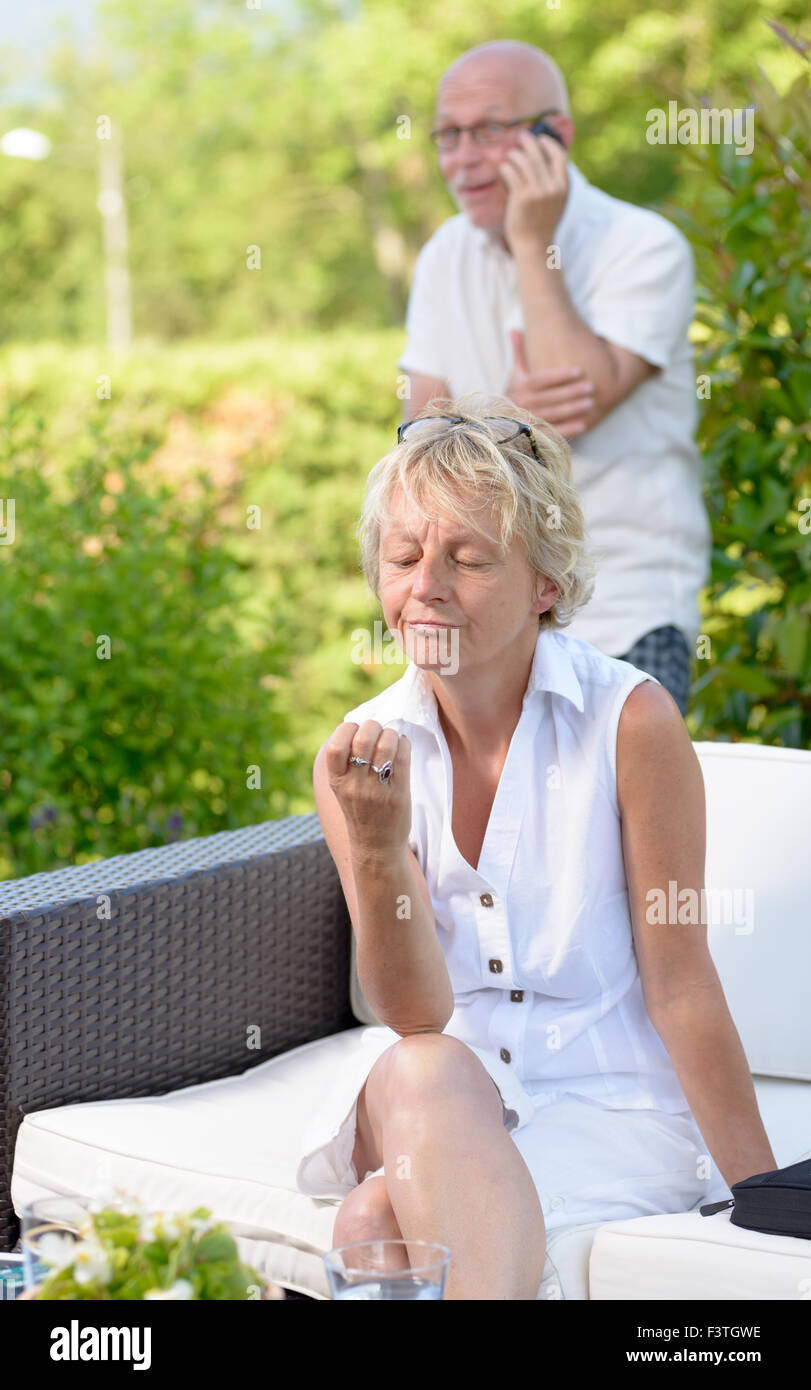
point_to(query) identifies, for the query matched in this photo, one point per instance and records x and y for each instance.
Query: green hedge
(133, 681)
(749, 221)
(230, 644)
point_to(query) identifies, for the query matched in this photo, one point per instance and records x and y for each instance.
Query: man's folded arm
(639, 310)
(422, 389)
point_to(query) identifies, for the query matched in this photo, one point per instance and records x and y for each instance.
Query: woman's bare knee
(366, 1214)
(406, 1075)
(422, 1064)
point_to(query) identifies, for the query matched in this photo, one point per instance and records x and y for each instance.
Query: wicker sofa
(169, 1020)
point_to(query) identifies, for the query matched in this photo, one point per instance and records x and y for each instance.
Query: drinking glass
(49, 1217)
(11, 1275)
(388, 1269)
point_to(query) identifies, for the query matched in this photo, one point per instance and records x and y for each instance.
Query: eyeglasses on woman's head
(503, 428)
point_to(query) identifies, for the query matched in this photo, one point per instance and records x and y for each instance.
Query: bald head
(527, 73)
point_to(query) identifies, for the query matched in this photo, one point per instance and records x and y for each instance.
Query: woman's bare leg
(367, 1214)
(430, 1113)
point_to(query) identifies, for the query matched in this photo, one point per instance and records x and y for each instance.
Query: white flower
(120, 1200)
(171, 1228)
(161, 1225)
(200, 1225)
(146, 1227)
(55, 1250)
(181, 1289)
(129, 1203)
(91, 1262)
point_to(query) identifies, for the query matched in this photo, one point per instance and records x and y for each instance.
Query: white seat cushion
(696, 1257)
(234, 1145)
(705, 1257)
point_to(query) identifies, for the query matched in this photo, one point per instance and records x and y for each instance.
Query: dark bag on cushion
(777, 1203)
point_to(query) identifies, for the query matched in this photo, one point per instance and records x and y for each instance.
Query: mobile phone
(542, 128)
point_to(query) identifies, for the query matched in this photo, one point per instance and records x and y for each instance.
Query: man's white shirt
(629, 274)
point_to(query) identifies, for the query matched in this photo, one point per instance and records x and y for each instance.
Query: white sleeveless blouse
(538, 939)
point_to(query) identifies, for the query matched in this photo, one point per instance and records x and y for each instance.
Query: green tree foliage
(749, 219)
(304, 131)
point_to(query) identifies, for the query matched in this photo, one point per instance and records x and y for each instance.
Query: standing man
(577, 306)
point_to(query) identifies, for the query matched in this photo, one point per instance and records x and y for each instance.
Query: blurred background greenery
(266, 394)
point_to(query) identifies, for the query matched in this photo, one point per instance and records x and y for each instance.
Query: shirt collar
(579, 186)
(413, 701)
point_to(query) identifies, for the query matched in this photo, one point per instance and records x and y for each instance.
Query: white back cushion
(758, 878)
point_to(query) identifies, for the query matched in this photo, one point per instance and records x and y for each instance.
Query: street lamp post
(113, 211)
(22, 143)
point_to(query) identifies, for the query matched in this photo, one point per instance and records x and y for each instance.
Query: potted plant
(121, 1251)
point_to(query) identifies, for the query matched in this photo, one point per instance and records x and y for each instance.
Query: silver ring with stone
(383, 773)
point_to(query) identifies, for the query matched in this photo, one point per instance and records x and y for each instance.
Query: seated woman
(513, 821)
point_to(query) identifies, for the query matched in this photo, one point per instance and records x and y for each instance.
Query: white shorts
(589, 1163)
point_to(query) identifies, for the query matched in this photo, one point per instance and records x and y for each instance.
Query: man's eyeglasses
(484, 132)
(503, 428)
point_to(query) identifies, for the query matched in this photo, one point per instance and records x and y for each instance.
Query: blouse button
(556, 1203)
(516, 995)
(504, 1055)
(486, 900)
(496, 967)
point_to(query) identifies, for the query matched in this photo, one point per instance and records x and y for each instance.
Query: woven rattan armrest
(151, 971)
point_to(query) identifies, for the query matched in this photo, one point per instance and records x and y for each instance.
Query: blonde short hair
(536, 504)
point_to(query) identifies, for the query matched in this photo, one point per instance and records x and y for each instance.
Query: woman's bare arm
(401, 968)
(661, 796)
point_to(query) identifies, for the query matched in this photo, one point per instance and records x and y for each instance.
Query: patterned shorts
(664, 653)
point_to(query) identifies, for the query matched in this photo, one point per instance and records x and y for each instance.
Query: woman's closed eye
(468, 564)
